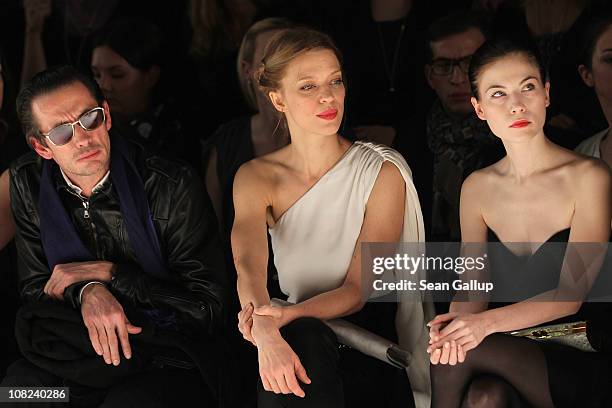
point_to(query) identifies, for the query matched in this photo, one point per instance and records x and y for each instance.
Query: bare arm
(249, 238)
(7, 225)
(473, 230)
(279, 367)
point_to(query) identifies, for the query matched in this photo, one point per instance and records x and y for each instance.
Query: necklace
(390, 70)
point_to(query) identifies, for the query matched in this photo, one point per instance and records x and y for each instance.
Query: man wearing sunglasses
(459, 141)
(120, 274)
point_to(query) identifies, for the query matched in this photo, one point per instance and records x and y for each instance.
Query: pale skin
(85, 160)
(537, 190)
(266, 187)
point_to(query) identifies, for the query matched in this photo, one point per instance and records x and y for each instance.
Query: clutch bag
(570, 334)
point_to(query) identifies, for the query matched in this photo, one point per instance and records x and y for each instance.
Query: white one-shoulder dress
(314, 240)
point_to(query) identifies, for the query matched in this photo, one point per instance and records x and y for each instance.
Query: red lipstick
(328, 114)
(520, 123)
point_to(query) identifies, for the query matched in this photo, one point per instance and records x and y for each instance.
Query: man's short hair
(451, 24)
(43, 83)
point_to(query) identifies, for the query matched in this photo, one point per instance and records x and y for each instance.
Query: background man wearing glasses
(120, 272)
(459, 141)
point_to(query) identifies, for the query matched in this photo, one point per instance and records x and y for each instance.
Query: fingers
(460, 354)
(434, 358)
(442, 318)
(292, 385)
(450, 353)
(93, 337)
(113, 345)
(451, 327)
(265, 383)
(267, 310)
(249, 331)
(460, 336)
(300, 371)
(123, 339)
(445, 353)
(245, 323)
(106, 354)
(131, 329)
(452, 358)
(281, 380)
(274, 385)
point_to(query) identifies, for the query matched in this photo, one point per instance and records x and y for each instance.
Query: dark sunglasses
(90, 120)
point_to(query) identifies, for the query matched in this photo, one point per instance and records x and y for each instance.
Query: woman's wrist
(264, 328)
(489, 323)
(290, 313)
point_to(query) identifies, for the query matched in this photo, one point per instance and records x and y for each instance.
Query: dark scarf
(459, 146)
(60, 240)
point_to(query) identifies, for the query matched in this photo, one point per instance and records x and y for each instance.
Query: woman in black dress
(538, 193)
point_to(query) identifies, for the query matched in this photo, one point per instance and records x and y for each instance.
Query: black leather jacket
(183, 218)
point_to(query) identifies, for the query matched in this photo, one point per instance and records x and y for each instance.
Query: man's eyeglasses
(445, 67)
(90, 120)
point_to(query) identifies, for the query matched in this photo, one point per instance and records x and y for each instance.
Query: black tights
(503, 371)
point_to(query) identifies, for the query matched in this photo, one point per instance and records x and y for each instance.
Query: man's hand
(105, 321)
(65, 275)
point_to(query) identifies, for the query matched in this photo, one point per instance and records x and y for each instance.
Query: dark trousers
(340, 376)
(157, 387)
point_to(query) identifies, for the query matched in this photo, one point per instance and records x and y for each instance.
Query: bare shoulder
(390, 175)
(259, 175)
(480, 181)
(589, 172)
(4, 182)
(4, 177)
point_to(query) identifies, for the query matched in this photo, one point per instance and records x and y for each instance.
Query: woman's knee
(490, 392)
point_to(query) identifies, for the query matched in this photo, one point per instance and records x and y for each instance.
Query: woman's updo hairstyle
(497, 48)
(283, 48)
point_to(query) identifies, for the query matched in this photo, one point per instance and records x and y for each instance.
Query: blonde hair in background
(247, 51)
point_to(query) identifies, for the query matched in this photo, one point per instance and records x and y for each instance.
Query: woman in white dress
(320, 197)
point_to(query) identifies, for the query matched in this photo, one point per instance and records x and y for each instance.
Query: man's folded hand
(106, 323)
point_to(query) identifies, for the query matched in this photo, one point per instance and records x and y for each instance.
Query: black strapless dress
(575, 378)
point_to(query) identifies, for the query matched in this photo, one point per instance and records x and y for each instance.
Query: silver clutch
(569, 334)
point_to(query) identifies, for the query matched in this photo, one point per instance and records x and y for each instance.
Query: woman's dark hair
(497, 48)
(139, 41)
(591, 35)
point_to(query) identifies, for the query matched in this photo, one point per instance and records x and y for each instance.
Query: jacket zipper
(87, 216)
